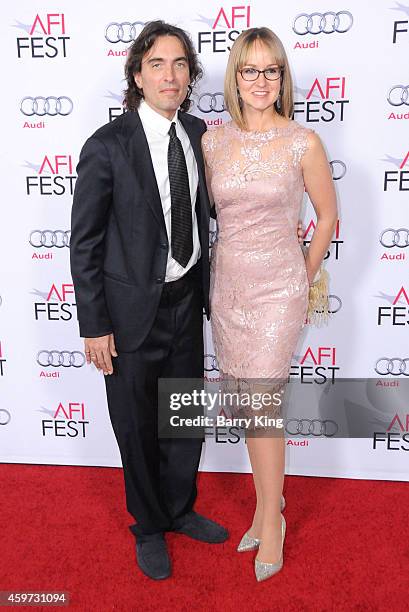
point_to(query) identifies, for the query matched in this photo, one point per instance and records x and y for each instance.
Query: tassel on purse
(318, 299)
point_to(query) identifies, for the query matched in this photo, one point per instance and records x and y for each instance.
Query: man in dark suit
(140, 266)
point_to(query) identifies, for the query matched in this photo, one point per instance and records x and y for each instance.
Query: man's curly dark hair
(141, 46)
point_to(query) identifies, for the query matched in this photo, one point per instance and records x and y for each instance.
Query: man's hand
(300, 232)
(99, 351)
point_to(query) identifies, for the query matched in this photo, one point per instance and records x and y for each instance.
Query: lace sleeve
(301, 144)
(209, 145)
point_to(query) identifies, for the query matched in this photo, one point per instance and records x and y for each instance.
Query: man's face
(164, 75)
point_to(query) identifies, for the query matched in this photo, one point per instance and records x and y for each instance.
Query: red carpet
(65, 528)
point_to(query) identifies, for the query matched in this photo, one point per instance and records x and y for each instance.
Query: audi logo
(211, 103)
(124, 32)
(326, 23)
(395, 238)
(210, 363)
(399, 95)
(311, 427)
(395, 366)
(212, 238)
(50, 238)
(335, 304)
(5, 416)
(50, 106)
(65, 359)
(338, 169)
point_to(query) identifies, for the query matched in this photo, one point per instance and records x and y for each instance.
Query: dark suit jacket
(119, 244)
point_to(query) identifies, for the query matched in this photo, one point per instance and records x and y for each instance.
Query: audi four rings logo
(395, 238)
(313, 427)
(50, 239)
(65, 359)
(210, 363)
(211, 103)
(338, 169)
(50, 106)
(395, 366)
(124, 32)
(5, 416)
(399, 95)
(325, 23)
(335, 304)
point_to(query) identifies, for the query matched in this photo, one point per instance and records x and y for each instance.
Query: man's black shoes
(151, 550)
(200, 528)
(152, 556)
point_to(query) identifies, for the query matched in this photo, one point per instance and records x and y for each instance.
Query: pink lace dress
(259, 285)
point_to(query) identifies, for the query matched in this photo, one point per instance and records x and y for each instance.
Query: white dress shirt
(156, 128)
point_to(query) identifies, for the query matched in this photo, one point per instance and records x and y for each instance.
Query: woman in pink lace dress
(258, 166)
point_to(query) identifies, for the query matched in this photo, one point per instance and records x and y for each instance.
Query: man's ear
(138, 79)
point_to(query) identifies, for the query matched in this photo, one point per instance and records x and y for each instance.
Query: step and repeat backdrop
(63, 76)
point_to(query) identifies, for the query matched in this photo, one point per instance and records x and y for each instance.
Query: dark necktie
(181, 205)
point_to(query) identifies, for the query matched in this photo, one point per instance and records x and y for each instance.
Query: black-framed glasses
(252, 74)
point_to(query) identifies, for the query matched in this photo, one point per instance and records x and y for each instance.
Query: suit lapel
(133, 141)
(135, 146)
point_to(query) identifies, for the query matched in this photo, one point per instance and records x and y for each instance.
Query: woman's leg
(255, 529)
(267, 455)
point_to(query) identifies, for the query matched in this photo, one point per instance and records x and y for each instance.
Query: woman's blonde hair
(238, 58)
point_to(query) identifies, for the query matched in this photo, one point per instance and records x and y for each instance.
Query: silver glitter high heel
(267, 570)
(249, 543)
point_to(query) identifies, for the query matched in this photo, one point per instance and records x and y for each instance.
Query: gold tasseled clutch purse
(318, 300)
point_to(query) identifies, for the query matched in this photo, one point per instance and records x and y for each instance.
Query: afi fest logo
(397, 180)
(325, 100)
(316, 24)
(46, 37)
(57, 303)
(397, 314)
(223, 28)
(396, 436)
(67, 421)
(315, 366)
(122, 33)
(54, 176)
(336, 242)
(38, 107)
(2, 359)
(400, 30)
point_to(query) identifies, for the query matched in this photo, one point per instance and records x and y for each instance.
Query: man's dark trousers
(160, 474)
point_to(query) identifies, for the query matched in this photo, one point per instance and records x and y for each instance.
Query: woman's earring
(278, 102)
